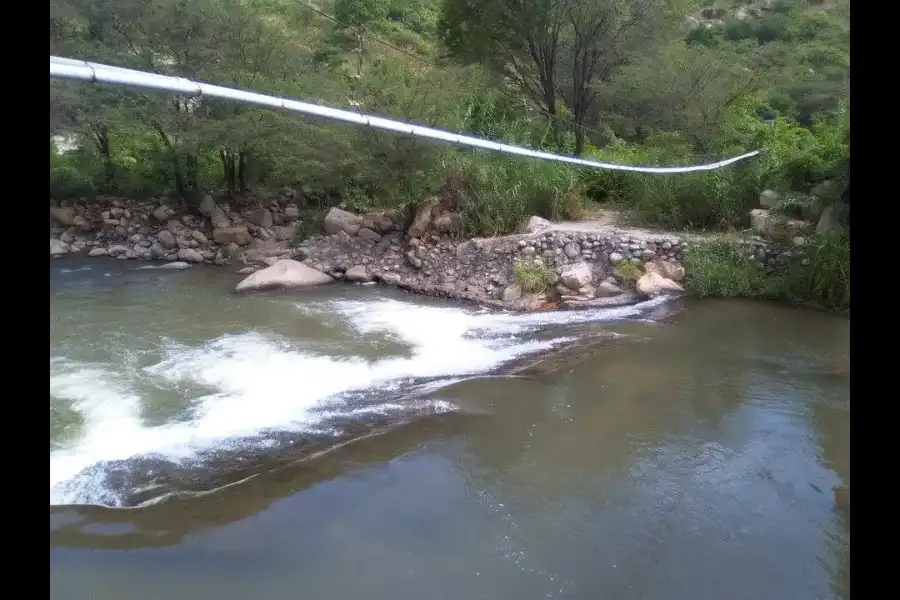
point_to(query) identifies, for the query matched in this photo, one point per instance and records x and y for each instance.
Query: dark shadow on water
(169, 521)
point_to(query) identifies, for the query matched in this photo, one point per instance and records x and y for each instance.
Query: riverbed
(353, 441)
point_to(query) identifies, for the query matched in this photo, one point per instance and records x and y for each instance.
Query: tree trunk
(579, 138)
(176, 162)
(101, 135)
(192, 173)
(228, 170)
(242, 172)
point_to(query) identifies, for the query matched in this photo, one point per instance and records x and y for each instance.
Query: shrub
(497, 193)
(532, 276)
(627, 270)
(822, 279)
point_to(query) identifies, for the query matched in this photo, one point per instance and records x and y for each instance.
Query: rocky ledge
(420, 252)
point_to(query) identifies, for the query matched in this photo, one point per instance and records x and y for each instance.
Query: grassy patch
(722, 270)
(627, 270)
(823, 279)
(496, 193)
(532, 276)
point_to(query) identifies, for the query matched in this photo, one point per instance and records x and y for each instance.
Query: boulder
(829, 190)
(190, 255)
(162, 214)
(368, 234)
(282, 275)
(829, 222)
(652, 284)
(167, 239)
(291, 213)
(576, 276)
(778, 227)
(607, 290)
(422, 221)
(536, 223)
(357, 273)
(340, 220)
(58, 247)
(232, 235)
(284, 232)
(450, 222)
(768, 198)
(666, 269)
(81, 223)
(260, 217)
(219, 219)
(65, 215)
(511, 293)
(207, 206)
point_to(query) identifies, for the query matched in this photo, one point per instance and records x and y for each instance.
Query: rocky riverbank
(575, 264)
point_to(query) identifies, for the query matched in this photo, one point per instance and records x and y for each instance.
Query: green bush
(822, 279)
(627, 270)
(706, 199)
(532, 276)
(497, 193)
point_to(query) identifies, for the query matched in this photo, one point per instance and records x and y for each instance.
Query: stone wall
(581, 265)
(129, 229)
(482, 270)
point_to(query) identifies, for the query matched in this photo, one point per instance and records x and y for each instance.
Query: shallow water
(352, 441)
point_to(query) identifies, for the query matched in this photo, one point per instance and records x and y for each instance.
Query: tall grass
(722, 269)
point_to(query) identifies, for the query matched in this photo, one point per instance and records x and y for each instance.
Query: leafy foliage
(774, 79)
(532, 276)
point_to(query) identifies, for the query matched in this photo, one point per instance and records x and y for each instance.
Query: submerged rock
(283, 274)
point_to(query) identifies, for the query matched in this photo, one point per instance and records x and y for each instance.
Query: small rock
(368, 234)
(536, 223)
(65, 216)
(162, 214)
(229, 235)
(571, 250)
(511, 293)
(607, 290)
(357, 273)
(97, 252)
(260, 217)
(190, 255)
(58, 247)
(768, 198)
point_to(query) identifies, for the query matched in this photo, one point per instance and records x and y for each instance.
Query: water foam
(259, 382)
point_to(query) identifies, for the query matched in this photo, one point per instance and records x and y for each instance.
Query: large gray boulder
(340, 220)
(283, 274)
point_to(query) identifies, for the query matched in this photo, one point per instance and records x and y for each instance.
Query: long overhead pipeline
(66, 68)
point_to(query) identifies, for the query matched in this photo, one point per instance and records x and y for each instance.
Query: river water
(357, 442)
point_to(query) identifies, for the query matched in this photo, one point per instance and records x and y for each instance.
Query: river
(358, 442)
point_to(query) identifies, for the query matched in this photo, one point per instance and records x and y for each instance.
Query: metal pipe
(67, 68)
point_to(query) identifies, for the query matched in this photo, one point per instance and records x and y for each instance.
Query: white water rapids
(254, 382)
